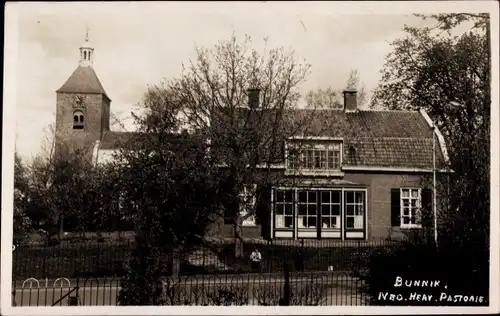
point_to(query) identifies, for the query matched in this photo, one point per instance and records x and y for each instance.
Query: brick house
(357, 174)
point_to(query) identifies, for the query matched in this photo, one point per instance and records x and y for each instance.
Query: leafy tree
(64, 188)
(169, 188)
(449, 76)
(22, 222)
(213, 95)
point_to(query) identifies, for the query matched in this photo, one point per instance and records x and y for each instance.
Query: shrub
(177, 292)
(305, 294)
(229, 294)
(310, 294)
(268, 294)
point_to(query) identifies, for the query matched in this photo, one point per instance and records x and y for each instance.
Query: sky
(140, 44)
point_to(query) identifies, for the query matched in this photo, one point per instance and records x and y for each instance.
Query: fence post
(285, 301)
(176, 264)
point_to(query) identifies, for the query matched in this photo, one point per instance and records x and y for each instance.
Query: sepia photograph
(248, 156)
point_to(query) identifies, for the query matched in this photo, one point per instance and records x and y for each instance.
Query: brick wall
(378, 208)
(379, 199)
(96, 117)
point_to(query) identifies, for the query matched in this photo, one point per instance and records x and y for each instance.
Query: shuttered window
(411, 207)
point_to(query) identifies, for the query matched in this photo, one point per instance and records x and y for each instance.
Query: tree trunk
(238, 242)
(61, 226)
(176, 262)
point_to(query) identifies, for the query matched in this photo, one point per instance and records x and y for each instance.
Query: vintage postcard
(250, 158)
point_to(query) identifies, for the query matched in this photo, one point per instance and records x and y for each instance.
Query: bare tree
(354, 83)
(245, 104)
(327, 98)
(331, 98)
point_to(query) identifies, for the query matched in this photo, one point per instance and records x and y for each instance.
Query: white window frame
(247, 201)
(418, 207)
(300, 218)
(356, 205)
(330, 205)
(316, 150)
(280, 219)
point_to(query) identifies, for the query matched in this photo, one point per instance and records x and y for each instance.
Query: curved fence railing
(264, 289)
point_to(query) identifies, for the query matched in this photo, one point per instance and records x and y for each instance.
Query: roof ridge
(348, 112)
(387, 110)
(394, 137)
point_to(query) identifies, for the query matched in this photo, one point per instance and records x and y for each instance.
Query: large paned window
(410, 208)
(318, 156)
(320, 213)
(354, 210)
(308, 214)
(284, 206)
(331, 208)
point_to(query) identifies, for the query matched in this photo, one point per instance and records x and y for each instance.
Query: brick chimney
(253, 98)
(350, 102)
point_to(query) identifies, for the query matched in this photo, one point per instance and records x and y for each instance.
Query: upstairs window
(321, 156)
(78, 120)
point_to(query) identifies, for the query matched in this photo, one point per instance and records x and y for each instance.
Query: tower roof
(83, 80)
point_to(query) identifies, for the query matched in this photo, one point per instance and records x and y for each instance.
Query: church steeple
(86, 52)
(82, 105)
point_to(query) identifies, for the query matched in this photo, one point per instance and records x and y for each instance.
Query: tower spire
(86, 51)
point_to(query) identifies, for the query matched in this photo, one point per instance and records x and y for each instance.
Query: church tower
(83, 107)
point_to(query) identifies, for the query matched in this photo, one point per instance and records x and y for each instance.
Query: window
(354, 209)
(410, 208)
(78, 120)
(314, 157)
(307, 203)
(247, 204)
(330, 209)
(284, 209)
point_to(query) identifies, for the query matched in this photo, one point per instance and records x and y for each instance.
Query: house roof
(115, 140)
(371, 139)
(400, 139)
(83, 80)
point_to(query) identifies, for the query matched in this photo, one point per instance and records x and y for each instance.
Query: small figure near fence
(256, 258)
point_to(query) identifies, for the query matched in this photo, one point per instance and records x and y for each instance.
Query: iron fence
(264, 289)
(93, 259)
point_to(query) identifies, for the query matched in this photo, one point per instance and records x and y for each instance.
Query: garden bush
(305, 294)
(177, 292)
